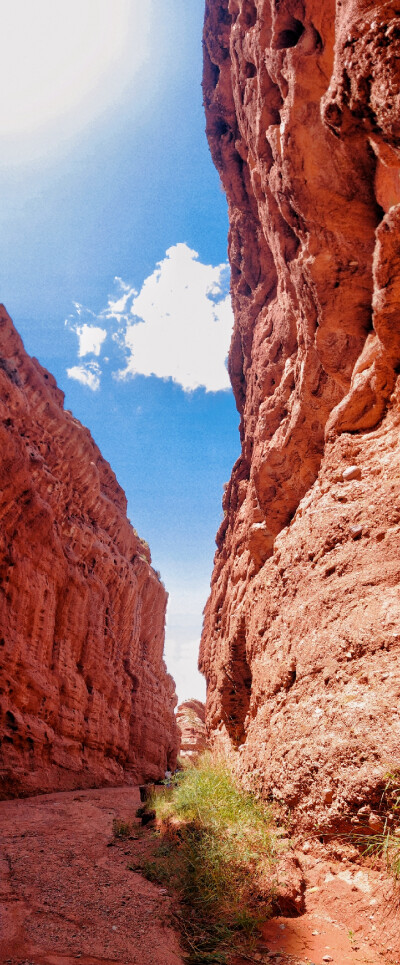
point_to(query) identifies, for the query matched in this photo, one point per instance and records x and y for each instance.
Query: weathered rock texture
(85, 698)
(190, 718)
(301, 642)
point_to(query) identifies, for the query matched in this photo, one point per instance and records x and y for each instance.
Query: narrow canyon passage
(300, 647)
(67, 897)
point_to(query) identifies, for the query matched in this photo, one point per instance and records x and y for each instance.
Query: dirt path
(66, 896)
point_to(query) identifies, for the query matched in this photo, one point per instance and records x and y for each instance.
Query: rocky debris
(301, 642)
(190, 718)
(85, 697)
(350, 917)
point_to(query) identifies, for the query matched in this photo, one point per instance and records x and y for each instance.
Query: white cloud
(178, 326)
(117, 307)
(182, 323)
(90, 338)
(88, 374)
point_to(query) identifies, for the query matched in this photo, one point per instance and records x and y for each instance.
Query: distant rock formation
(85, 698)
(301, 642)
(190, 718)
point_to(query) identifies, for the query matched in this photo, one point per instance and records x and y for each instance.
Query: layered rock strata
(85, 697)
(190, 718)
(301, 641)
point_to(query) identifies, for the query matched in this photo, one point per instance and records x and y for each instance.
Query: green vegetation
(351, 937)
(386, 844)
(392, 790)
(121, 829)
(217, 850)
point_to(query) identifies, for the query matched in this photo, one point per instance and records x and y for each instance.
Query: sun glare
(56, 55)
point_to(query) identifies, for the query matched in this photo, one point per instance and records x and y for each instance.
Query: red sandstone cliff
(85, 698)
(301, 642)
(190, 718)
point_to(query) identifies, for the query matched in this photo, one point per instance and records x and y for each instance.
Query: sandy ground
(66, 896)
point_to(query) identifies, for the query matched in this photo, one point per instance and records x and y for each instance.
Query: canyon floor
(67, 895)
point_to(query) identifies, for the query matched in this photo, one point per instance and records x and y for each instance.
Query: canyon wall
(301, 640)
(85, 699)
(190, 718)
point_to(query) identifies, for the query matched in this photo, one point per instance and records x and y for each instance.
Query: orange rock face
(301, 641)
(85, 697)
(190, 718)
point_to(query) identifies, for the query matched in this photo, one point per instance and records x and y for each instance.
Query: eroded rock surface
(190, 718)
(85, 697)
(301, 642)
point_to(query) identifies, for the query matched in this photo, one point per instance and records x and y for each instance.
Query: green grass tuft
(218, 847)
(121, 829)
(386, 844)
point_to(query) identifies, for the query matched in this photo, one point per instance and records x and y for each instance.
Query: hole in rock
(243, 288)
(291, 243)
(274, 117)
(222, 128)
(332, 116)
(213, 74)
(291, 678)
(250, 70)
(224, 16)
(290, 36)
(237, 688)
(284, 87)
(265, 153)
(249, 13)
(216, 72)
(272, 100)
(10, 721)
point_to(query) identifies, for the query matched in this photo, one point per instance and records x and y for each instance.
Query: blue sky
(113, 232)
